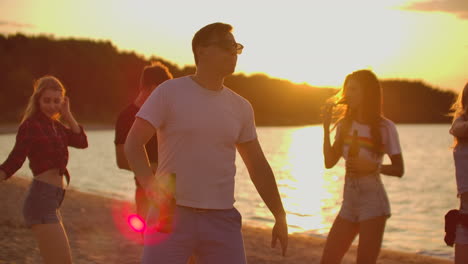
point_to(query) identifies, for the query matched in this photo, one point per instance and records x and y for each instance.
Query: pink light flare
(136, 223)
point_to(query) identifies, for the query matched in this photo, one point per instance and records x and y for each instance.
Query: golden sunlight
(318, 42)
(314, 197)
(321, 44)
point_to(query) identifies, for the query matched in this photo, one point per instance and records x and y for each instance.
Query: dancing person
(363, 136)
(44, 140)
(200, 123)
(459, 130)
(151, 76)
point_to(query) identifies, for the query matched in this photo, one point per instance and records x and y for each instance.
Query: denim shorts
(461, 235)
(42, 204)
(364, 198)
(212, 236)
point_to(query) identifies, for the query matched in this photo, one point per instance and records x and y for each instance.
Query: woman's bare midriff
(51, 176)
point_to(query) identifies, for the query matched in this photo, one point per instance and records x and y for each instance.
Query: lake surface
(311, 194)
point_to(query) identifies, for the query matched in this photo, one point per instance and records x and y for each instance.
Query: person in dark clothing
(151, 77)
(459, 130)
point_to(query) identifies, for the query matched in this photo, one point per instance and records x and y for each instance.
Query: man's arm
(122, 162)
(135, 151)
(262, 177)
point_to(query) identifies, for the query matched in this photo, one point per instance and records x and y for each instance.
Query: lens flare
(136, 223)
(127, 222)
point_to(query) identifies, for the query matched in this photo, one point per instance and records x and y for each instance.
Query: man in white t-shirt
(200, 123)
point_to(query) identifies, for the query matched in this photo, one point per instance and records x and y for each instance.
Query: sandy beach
(98, 233)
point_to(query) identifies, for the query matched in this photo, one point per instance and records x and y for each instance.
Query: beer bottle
(354, 147)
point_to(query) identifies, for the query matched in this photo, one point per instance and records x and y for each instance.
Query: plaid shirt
(44, 141)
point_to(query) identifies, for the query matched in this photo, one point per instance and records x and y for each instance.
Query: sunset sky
(313, 41)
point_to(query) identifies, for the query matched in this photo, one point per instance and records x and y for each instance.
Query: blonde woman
(459, 130)
(44, 139)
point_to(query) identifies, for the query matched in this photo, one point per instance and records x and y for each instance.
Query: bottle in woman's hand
(354, 147)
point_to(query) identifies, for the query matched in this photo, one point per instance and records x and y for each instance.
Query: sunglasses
(227, 45)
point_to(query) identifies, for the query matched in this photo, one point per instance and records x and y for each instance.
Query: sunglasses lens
(239, 48)
(228, 46)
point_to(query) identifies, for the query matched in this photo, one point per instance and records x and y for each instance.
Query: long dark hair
(371, 105)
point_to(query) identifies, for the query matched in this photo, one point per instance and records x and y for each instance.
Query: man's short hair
(207, 33)
(153, 75)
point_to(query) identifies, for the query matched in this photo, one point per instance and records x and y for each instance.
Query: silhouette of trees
(280, 102)
(101, 80)
(415, 102)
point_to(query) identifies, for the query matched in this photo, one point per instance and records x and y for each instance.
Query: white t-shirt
(198, 130)
(390, 140)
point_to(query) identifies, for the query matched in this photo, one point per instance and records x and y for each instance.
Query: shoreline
(97, 230)
(11, 128)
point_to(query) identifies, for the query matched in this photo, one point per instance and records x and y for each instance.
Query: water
(310, 193)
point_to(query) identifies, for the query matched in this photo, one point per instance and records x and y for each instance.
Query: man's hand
(152, 193)
(2, 176)
(280, 232)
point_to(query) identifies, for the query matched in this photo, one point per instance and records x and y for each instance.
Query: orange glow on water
(314, 191)
(310, 193)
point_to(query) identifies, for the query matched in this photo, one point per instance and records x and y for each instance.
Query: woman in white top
(459, 130)
(362, 138)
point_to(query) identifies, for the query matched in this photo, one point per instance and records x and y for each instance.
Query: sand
(98, 233)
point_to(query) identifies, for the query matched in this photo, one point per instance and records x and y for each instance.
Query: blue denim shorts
(42, 204)
(364, 198)
(212, 236)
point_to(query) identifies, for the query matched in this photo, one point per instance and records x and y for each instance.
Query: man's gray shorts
(212, 236)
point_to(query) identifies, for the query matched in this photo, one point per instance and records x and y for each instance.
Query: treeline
(101, 80)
